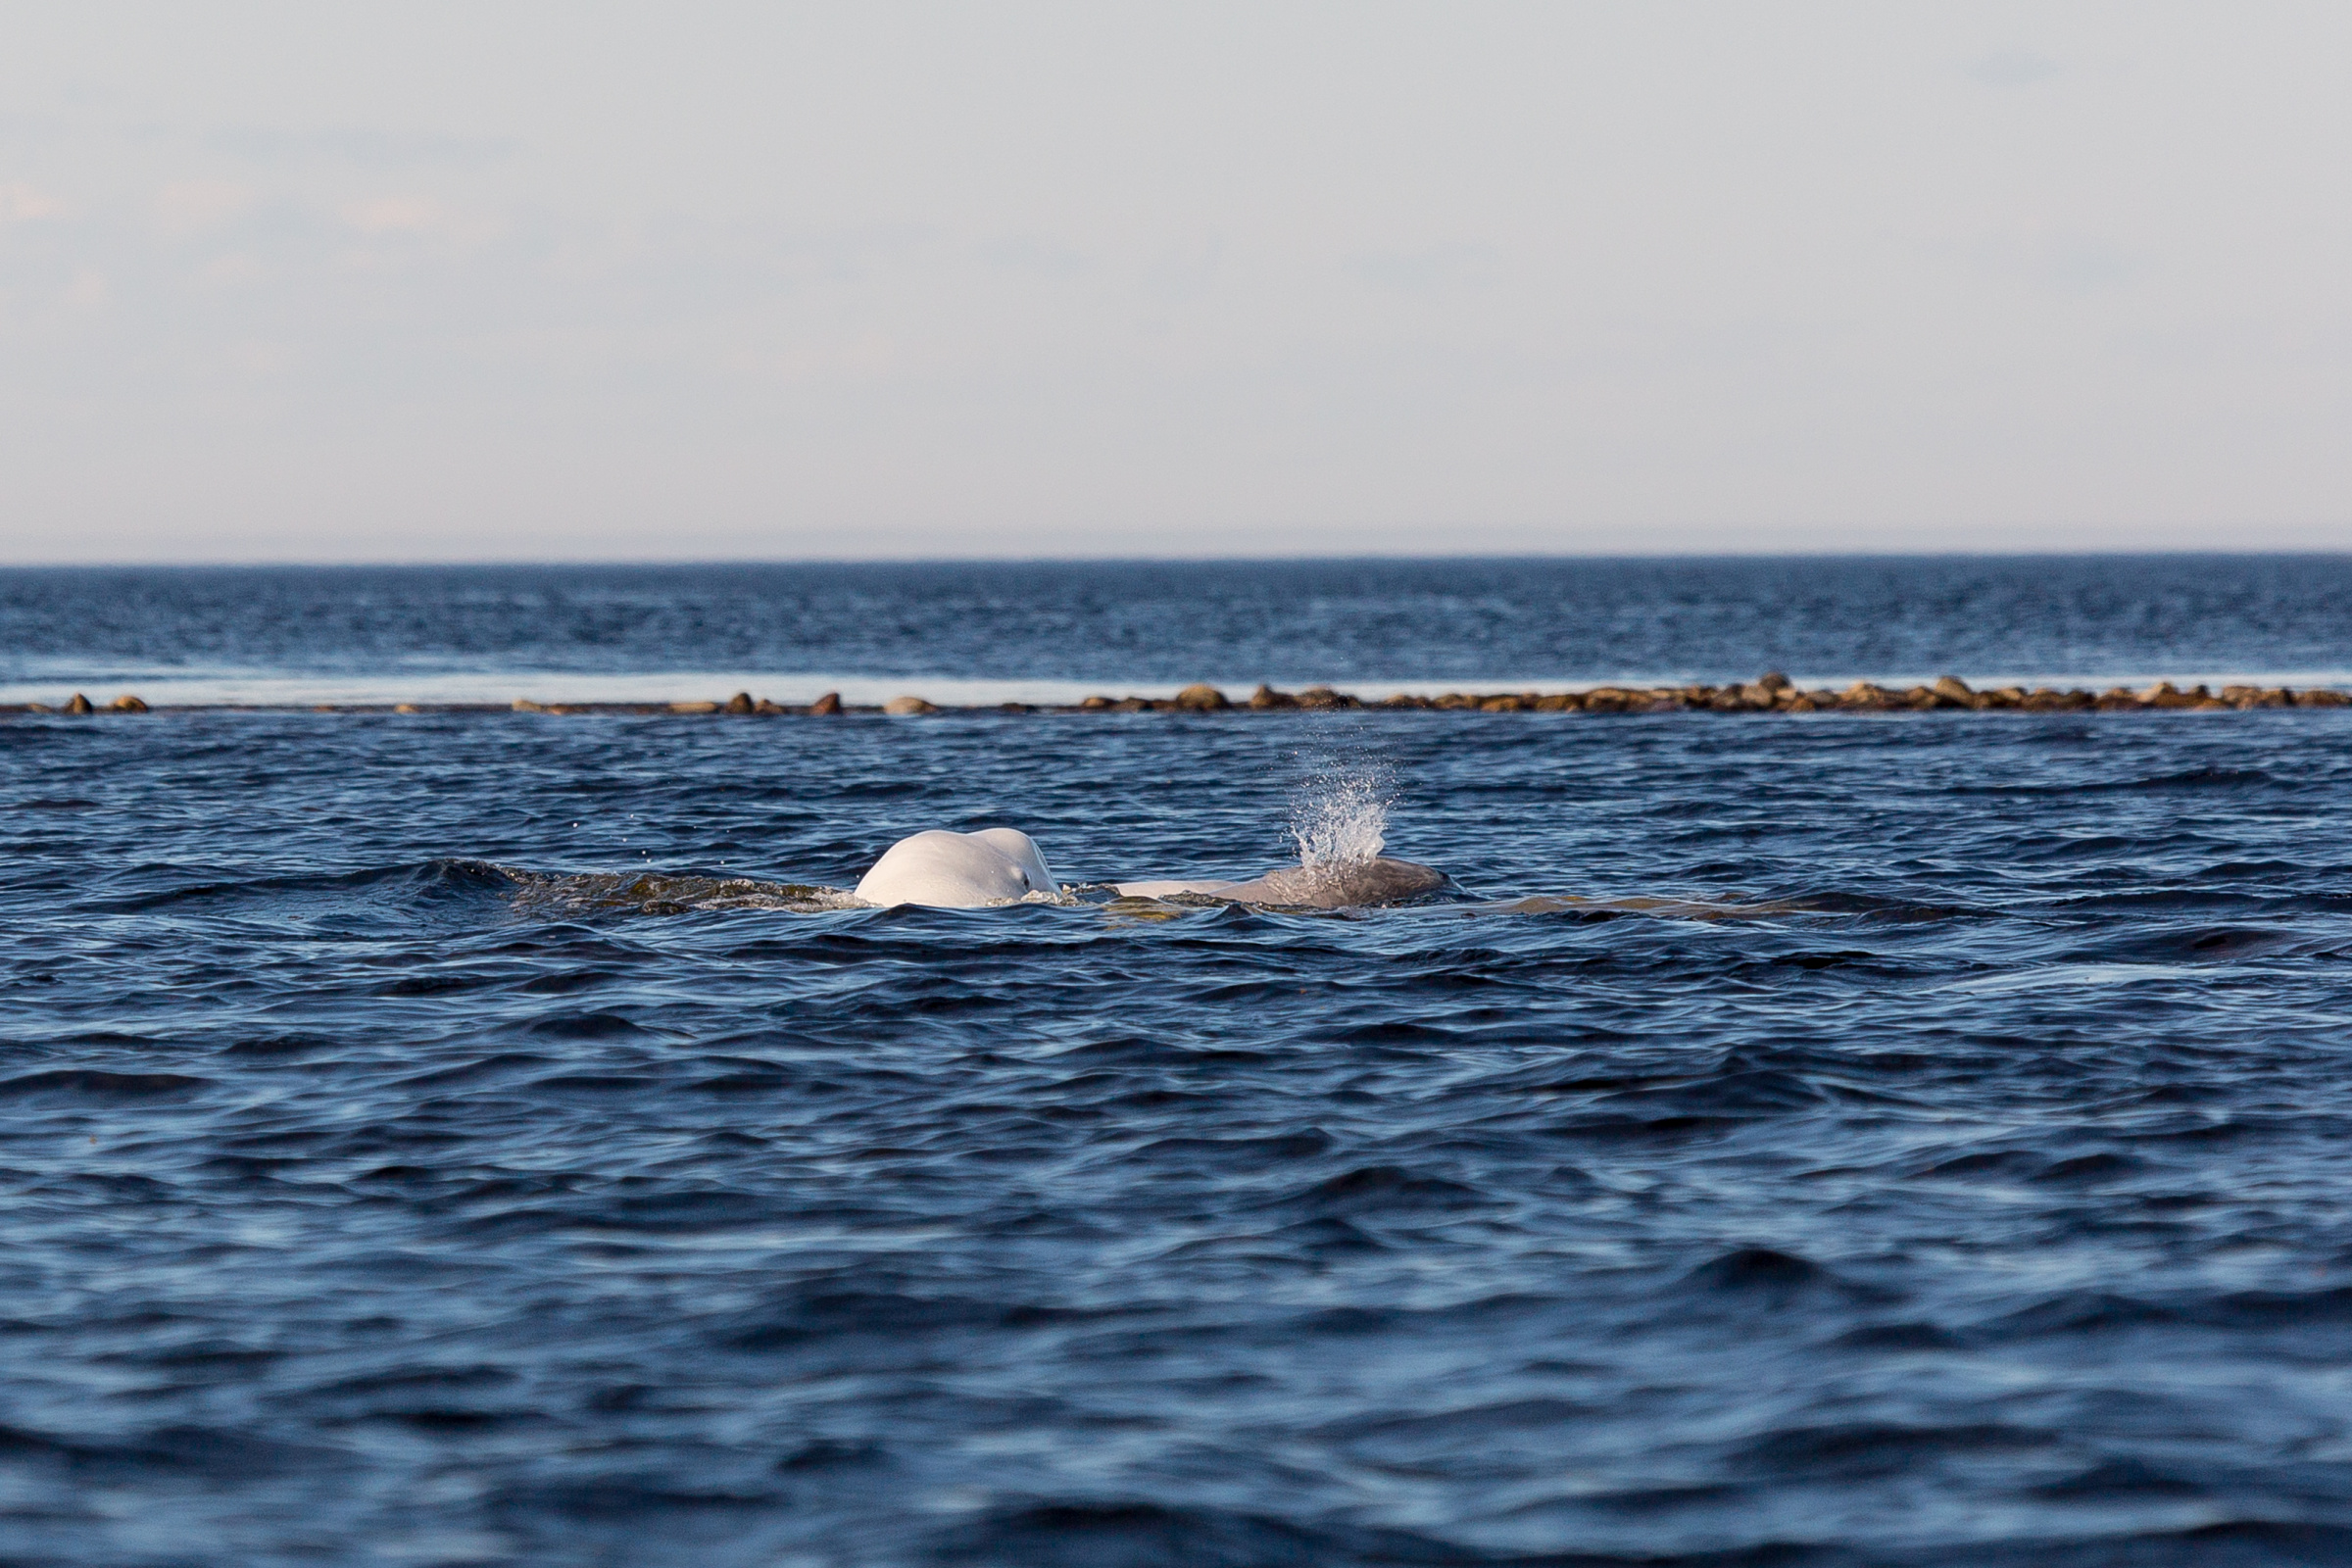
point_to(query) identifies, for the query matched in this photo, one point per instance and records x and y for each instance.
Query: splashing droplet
(1342, 817)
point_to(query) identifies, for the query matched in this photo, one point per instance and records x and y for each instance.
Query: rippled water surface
(487, 1138)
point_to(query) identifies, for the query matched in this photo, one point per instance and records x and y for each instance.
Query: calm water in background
(418, 632)
(439, 1140)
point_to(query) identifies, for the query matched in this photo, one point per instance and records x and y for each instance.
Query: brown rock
(2164, 694)
(767, 709)
(1801, 704)
(523, 705)
(826, 706)
(907, 707)
(692, 708)
(1556, 703)
(1772, 680)
(79, 705)
(2115, 700)
(405, 707)
(2322, 697)
(1405, 700)
(1268, 697)
(1096, 705)
(128, 704)
(1202, 698)
(741, 703)
(1955, 691)
(1325, 697)
(1499, 705)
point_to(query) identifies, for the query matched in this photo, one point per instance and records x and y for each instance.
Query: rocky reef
(1769, 693)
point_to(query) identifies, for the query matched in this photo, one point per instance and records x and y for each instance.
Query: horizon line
(395, 564)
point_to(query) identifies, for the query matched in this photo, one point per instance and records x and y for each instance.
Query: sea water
(495, 1138)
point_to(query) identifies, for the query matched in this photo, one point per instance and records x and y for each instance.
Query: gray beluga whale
(947, 870)
(1342, 885)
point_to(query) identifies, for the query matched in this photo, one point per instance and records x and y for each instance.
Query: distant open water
(470, 1140)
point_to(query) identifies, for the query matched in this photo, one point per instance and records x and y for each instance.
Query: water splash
(1340, 814)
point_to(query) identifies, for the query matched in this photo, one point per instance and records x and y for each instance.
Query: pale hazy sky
(601, 281)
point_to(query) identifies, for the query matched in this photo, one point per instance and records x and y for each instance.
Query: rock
(1499, 705)
(2116, 700)
(1922, 698)
(1456, 700)
(767, 709)
(1096, 705)
(741, 703)
(1952, 689)
(1773, 680)
(127, 704)
(1202, 698)
(691, 707)
(1405, 700)
(405, 707)
(1801, 704)
(2322, 698)
(79, 705)
(1325, 697)
(2164, 694)
(1268, 697)
(905, 707)
(825, 706)
(1131, 705)
(1556, 703)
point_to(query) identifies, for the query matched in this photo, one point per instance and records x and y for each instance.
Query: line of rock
(1770, 693)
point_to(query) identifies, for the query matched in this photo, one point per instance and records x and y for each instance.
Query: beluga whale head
(947, 871)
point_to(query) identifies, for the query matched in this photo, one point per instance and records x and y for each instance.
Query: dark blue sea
(484, 1137)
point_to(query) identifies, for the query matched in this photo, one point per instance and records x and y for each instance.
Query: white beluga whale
(949, 870)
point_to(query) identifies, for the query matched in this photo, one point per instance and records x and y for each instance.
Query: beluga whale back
(1382, 879)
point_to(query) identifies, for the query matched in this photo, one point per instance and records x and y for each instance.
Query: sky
(589, 281)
